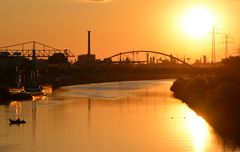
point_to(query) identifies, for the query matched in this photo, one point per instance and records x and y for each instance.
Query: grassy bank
(216, 99)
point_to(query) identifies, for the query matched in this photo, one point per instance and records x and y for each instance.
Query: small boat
(17, 121)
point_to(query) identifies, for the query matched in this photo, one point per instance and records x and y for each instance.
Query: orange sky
(116, 25)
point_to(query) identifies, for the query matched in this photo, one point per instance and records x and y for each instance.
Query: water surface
(134, 116)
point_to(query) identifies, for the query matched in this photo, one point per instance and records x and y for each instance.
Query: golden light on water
(198, 130)
(17, 106)
(198, 22)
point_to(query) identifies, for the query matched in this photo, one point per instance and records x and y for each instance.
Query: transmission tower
(213, 45)
(226, 44)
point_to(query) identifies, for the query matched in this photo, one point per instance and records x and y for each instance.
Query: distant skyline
(117, 25)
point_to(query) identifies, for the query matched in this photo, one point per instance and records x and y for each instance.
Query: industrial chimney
(89, 42)
(87, 58)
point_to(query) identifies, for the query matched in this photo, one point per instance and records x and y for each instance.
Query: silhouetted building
(14, 70)
(86, 58)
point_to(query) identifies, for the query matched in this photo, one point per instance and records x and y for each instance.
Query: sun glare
(198, 22)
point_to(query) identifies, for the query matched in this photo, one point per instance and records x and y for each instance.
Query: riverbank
(92, 73)
(99, 78)
(216, 99)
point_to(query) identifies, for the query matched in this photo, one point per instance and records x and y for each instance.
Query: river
(132, 116)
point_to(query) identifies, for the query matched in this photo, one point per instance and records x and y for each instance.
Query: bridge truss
(33, 49)
(146, 57)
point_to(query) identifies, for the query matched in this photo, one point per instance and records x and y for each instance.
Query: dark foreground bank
(216, 99)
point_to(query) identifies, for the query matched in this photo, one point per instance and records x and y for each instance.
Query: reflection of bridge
(33, 49)
(133, 57)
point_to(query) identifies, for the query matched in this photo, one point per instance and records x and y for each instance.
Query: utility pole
(120, 57)
(213, 45)
(147, 58)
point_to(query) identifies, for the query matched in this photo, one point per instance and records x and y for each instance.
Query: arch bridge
(33, 50)
(132, 57)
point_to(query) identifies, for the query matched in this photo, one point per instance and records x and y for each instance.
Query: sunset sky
(118, 25)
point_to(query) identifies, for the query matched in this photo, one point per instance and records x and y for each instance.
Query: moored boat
(35, 91)
(20, 93)
(7, 93)
(22, 96)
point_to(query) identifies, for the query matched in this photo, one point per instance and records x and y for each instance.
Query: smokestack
(89, 42)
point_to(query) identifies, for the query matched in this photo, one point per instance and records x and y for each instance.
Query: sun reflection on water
(198, 129)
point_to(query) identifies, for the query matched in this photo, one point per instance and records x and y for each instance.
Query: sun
(198, 22)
